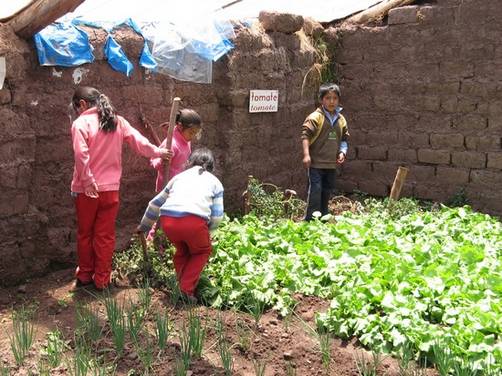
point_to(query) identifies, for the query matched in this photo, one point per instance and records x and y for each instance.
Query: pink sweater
(181, 149)
(98, 154)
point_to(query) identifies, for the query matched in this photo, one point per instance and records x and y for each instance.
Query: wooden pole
(377, 11)
(399, 180)
(169, 138)
(39, 14)
(146, 259)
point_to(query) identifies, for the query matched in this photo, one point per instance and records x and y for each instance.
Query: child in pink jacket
(188, 127)
(98, 134)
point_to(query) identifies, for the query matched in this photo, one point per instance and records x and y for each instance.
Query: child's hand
(166, 154)
(341, 158)
(307, 161)
(92, 190)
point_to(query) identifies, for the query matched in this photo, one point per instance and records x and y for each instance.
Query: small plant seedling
(259, 367)
(55, 347)
(366, 367)
(23, 334)
(162, 329)
(87, 322)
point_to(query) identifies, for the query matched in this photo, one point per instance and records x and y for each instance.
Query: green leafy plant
(459, 199)
(23, 334)
(407, 273)
(55, 347)
(266, 199)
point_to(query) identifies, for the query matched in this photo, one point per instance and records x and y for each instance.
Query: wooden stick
(169, 138)
(39, 14)
(377, 11)
(395, 192)
(246, 197)
(147, 125)
(146, 259)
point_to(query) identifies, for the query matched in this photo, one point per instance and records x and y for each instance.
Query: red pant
(190, 236)
(96, 236)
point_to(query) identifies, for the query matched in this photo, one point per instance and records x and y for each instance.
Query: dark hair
(202, 157)
(106, 112)
(327, 88)
(188, 118)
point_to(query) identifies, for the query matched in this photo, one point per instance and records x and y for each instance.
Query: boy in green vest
(325, 144)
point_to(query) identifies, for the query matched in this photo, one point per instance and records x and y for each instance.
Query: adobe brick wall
(425, 91)
(37, 221)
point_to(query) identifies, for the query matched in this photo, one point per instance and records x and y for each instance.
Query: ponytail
(203, 158)
(106, 114)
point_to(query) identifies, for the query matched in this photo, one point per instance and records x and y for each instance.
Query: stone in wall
(420, 74)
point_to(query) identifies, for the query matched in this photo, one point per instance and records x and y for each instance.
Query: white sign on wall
(2, 71)
(263, 100)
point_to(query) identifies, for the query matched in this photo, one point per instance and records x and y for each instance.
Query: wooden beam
(399, 180)
(39, 14)
(378, 11)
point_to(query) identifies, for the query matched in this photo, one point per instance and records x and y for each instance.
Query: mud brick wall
(37, 220)
(425, 91)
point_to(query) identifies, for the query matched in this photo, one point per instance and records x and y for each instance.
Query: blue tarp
(181, 49)
(63, 44)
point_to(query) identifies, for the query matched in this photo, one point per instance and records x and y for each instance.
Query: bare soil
(285, 344)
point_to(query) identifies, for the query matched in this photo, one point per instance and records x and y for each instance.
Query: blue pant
(321, 185)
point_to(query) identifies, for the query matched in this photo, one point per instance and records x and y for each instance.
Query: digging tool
(147, 125)
(169, 138)
(146, 260)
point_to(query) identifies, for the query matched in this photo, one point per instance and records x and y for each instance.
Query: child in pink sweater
(188, 127)
(98, 134)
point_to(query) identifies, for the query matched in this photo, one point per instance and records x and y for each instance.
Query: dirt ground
(286, 345)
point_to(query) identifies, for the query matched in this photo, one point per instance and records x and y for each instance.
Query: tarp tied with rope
(182, 39)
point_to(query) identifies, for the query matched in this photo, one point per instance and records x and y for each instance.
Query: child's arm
(81, 151)
(138, 142)
(153, 210)
(156, 163)
(216, 211)
(308, 130)
(306, 153)
(344, 142)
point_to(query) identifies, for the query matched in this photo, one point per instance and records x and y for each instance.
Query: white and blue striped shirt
(188, 193)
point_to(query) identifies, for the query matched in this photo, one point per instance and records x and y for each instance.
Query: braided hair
(106, 113)
(202, 157)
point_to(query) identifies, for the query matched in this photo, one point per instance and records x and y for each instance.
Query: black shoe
(79, 284)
